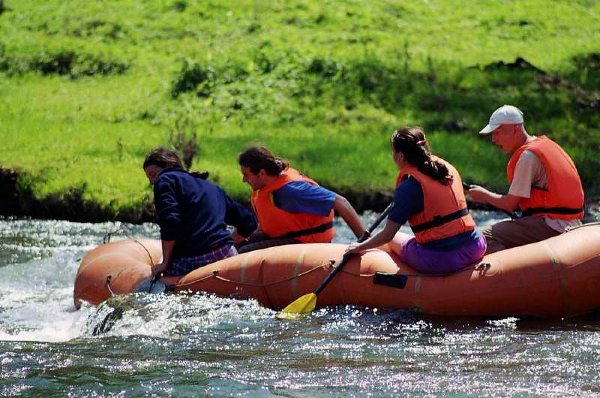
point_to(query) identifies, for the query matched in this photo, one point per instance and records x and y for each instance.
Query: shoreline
(71, 206)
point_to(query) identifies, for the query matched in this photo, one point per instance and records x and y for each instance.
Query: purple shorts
(438, 261)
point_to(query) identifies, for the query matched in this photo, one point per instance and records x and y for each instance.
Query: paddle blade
(302, 305)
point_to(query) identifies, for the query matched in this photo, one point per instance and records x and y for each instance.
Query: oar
(512, 215)
(308, 302)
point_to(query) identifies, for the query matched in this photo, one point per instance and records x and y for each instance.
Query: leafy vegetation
(88, 87)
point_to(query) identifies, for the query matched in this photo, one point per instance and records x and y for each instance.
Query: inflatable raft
(558, 277)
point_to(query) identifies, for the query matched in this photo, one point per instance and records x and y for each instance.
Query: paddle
(308, 302)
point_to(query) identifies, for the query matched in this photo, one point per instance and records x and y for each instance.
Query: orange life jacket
(278, 223)
(564, 198)
(445, 212)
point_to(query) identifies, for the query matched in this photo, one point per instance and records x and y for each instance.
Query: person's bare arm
(384, 236)
(167, 252)
(505, 202)
(347, 212)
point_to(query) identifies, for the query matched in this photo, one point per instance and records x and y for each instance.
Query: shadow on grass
(441, 96)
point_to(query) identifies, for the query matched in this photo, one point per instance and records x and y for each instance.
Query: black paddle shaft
(153, 282)
(347, 255)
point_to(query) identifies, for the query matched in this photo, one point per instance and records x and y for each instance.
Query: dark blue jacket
(195, 213)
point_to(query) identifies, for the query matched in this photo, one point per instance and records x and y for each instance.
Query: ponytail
(436, 170)
(411, 142)
(203, 175)
(259, 158)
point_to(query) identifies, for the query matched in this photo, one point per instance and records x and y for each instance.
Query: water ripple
(199, 344)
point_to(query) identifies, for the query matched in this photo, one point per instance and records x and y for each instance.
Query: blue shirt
(303, 197)
(408, 200)
(195, 213)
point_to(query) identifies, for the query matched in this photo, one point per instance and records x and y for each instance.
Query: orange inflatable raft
(558, 277)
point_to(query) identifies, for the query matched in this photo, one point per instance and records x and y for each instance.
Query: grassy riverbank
(88, 87)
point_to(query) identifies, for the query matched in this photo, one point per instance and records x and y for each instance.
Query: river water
(168, 345)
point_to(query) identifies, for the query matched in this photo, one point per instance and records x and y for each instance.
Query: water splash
(39, 260)
(170, 315)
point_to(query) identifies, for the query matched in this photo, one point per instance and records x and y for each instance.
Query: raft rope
(108, 236)
(107, 284)
(106, 239)
(215, 274)
(145, 248)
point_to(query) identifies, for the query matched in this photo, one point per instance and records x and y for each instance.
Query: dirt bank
(70, 205)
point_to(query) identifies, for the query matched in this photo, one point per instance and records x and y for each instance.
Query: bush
(194, 77)
(64, 62)
(182, 135)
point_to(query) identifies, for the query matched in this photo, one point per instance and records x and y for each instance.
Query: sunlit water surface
(169, 345)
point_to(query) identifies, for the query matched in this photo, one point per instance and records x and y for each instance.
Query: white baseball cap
(506, 114)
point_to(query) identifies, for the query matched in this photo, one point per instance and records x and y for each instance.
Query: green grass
(87, 88)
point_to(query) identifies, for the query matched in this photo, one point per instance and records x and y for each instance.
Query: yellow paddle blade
(302, 305)
(288, 316)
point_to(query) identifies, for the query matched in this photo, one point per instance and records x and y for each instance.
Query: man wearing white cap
(544, 185)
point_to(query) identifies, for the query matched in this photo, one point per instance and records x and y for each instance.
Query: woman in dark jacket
(193, 215)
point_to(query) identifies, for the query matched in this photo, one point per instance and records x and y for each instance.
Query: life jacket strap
(307, 231)
(439, 220)
(556, 210)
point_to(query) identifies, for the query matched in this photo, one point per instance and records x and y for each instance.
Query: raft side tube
(558, 277)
